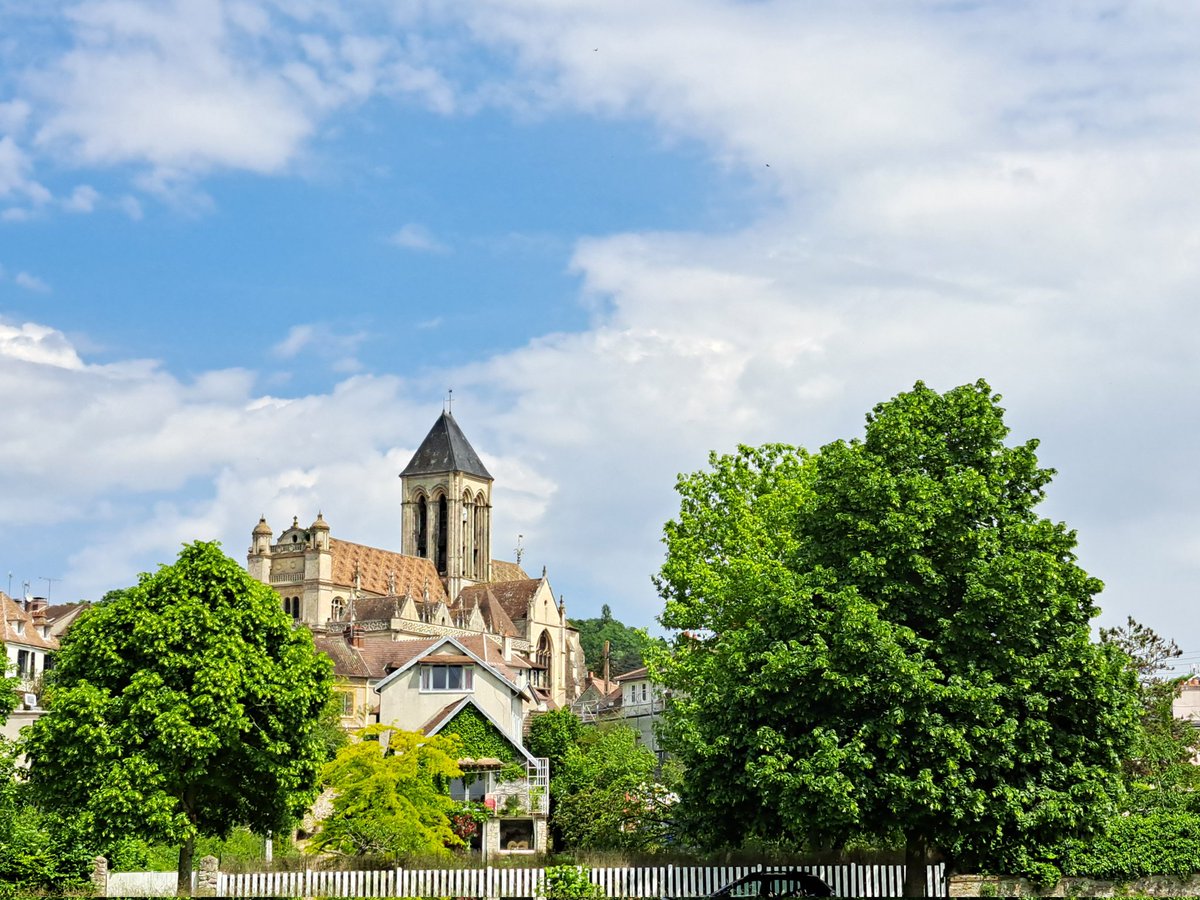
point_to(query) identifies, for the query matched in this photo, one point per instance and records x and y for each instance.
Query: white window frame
(433, 673)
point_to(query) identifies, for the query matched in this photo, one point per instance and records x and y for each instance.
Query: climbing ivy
(480, 738)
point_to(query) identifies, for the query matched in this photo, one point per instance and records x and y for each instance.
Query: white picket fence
(683, 882)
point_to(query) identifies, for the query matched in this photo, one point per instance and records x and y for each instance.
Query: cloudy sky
(247, 246)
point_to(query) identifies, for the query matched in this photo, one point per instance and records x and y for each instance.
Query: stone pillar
(206, 881)
(541, 835)
(491, 839)
(100, 876)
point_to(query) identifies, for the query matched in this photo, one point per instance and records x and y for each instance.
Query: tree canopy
(183, 706)
(389, 798)
(626, 643)
(885, 639)
(605, 793)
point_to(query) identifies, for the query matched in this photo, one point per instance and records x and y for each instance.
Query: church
(369, 607)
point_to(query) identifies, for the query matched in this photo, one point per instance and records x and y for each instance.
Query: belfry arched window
(422, 527)
(443, 529)
(338, 609)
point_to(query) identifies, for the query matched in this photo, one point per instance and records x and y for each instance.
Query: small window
(448, 678)
(347, 703)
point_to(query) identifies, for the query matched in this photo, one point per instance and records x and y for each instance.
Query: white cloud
(417, 237)
(298, 337)
(82, 200)
(33, 343)
(16, 174)
(182, 88)
(956, 191)
(322, 341)
(31, 283)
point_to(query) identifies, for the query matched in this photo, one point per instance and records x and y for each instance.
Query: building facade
(362, 602)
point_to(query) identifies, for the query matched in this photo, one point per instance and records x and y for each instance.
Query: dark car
(784, 883)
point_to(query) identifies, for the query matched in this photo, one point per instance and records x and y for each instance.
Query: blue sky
(246, 246)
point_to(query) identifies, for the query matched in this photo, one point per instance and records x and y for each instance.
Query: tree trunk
(916, 852)
(183, 884)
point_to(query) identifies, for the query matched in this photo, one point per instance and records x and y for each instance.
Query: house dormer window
(19, 626)
(448, 678)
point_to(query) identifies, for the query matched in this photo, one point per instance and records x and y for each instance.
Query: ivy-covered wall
(480, 737)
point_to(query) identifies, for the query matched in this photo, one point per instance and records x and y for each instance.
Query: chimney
(506, 648)
(36, 604)
(356, 636)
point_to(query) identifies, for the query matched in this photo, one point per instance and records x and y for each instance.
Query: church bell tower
(447, 512)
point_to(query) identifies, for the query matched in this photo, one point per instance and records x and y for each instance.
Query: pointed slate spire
(446, 449)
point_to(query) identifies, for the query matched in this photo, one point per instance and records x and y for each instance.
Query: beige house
(437, 685)
(362, 602)
(29, 630)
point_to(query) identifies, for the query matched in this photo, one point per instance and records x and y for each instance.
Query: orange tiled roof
(502, 570)
(374, 659)
(13, 612)
(412, 573)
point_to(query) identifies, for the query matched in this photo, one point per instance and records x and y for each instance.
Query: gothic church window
(422, 527)
(443, 529)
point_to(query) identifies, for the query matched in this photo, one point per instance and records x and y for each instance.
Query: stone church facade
(364, 603)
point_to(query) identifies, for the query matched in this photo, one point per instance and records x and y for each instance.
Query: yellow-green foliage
(391, 794)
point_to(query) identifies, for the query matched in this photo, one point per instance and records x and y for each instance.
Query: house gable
(481, 736)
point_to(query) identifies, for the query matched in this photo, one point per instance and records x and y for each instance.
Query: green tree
(183, 706)
(551, 735)
(391, 798)
(1158, 767)
(1158, 823)
(627, 645)
(605, 793)
(885, 640)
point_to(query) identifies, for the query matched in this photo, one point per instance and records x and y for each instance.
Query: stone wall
(1001, 886)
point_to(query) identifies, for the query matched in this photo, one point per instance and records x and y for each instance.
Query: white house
(478, 688)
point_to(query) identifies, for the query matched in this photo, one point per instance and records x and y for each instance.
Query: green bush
(569, 883)
(1159, 842)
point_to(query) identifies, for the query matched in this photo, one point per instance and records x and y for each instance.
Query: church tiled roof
(446, 449)
(377, 609)
(493, 612)
(412, 573)
(502, 570)
(513, 596)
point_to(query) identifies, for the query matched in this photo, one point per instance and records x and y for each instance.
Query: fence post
(100, 876)
(206, 883)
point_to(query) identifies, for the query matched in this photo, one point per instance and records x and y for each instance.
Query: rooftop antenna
(49, 583)
(10, 584)
(520, 551)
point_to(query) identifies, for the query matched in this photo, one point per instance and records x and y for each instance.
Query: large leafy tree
(183, 706)
(886, 639)
(390, 794)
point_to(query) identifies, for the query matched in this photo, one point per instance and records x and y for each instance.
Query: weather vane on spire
(448, 406)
